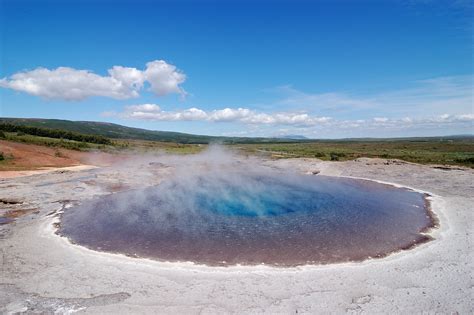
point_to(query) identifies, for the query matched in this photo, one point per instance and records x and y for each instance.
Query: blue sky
(323, 69)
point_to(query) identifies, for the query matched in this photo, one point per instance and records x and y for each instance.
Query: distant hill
(294, 137)
(116, 131)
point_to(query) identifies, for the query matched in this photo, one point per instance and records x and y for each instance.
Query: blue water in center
(252, 218)
(278, 199)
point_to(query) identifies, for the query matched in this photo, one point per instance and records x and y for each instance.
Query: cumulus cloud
(263, 124)
(154, 112)
(68, 83)
(128, 76)
(229, 114)
(164, 78)
(122, 82)
(148, 108)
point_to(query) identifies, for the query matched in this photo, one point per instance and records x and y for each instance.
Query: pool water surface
(250, 218)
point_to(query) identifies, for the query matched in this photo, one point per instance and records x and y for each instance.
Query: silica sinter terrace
(252, 218)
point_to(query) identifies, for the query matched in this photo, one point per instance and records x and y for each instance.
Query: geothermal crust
(43, 272)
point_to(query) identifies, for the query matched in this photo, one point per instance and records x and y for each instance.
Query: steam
(219, 206)
(217, 179)
(214, 178)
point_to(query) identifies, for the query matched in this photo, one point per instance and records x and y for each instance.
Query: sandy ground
(44, 273)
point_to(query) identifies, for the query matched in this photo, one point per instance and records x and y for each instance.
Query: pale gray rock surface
(43, 273)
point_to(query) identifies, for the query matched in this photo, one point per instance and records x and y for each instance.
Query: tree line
(55, 133)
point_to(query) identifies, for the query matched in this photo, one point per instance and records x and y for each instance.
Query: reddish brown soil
(21, 156)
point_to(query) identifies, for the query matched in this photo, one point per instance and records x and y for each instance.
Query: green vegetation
(5, 157)
(455, 151)
(108, 130)
(119, 145)
(53, 133)
(53, 142)
(144, 146)
(115, 131)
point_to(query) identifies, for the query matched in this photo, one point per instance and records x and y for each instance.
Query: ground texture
(44, 273)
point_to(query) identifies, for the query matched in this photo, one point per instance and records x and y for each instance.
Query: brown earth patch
(22, 156)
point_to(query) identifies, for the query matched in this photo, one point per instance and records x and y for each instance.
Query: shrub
(54, 133)
(2, 135)
(2, 157)
(469, 160)
(336, 155)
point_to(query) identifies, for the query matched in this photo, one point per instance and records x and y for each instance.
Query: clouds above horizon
(303, 123)
(443, 102)
(436, 102)
(65, 83)
(153, 112)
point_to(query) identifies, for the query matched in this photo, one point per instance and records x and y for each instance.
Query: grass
(423, 150)
(145, 146)
(51, 142)
(451, 152)
(5, 161)
(118, 145)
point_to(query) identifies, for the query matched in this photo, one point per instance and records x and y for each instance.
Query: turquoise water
(252, 218)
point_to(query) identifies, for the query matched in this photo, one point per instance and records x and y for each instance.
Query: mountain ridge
(117, 131)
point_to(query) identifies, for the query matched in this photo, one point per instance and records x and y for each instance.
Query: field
(429, 151)
(455, 150)
(53, 142)
(29, 152)
(114, 131)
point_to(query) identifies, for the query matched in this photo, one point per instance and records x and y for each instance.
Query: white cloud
(261, 123)
(229, 114)
(154, 112)
(122, 83)
(164, 78)
(129, 76)
(429, 107)
(465, 117)
(149, 108)
(67, 83)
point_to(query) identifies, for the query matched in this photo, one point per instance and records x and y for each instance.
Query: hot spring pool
(253, 218)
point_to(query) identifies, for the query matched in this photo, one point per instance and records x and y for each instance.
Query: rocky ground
(44, 273)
